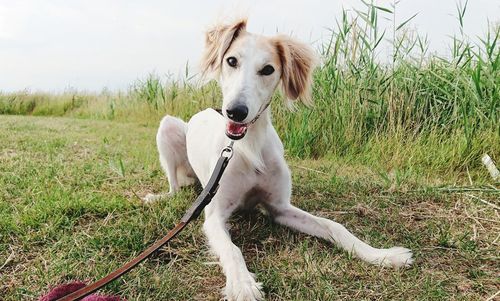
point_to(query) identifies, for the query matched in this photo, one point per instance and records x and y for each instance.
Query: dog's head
(249, 67)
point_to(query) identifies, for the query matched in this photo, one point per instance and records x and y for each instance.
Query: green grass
(69, 210)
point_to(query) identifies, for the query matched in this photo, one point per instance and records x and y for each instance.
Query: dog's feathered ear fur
(298, 61)
(217, 41)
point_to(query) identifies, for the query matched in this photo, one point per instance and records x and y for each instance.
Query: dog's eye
(267, 70)
(232, 61)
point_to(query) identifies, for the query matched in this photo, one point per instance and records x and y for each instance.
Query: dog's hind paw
(151, 197)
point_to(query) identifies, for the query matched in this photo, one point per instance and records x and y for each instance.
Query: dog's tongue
(236, 129)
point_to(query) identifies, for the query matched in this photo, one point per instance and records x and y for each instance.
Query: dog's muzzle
(236, 131)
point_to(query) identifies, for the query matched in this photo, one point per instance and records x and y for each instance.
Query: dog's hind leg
(171, 143)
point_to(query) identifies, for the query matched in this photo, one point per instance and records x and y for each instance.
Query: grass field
(69, 209)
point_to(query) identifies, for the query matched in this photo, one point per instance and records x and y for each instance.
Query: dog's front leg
(288, 215)
(240, 283)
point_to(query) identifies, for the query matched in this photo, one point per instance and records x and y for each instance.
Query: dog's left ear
(298, 61)
(218, 39)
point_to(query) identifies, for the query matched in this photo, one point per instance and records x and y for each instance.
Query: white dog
(248, 68)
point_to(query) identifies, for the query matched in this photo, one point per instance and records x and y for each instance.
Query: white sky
(91, 44)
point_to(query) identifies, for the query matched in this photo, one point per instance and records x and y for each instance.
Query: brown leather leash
(192, 213)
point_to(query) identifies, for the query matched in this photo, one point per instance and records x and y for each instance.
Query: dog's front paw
(397, 257)
(243, 289)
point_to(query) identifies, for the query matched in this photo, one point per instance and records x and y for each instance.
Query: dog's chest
(253, 197)
(266, 184)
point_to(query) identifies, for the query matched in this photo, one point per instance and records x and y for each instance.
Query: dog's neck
(252, 145)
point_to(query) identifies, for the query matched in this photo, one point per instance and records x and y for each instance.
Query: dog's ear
(298, 61)
(218, 39)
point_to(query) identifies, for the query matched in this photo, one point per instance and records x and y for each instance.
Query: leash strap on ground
(192, 213)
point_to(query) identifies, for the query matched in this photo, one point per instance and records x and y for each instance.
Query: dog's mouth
(236, 131)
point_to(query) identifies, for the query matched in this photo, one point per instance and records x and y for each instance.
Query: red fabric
(66, 289)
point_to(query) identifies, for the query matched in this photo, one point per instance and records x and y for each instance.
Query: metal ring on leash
(229, 150)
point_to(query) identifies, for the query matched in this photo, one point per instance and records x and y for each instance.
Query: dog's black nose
(237, 113)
